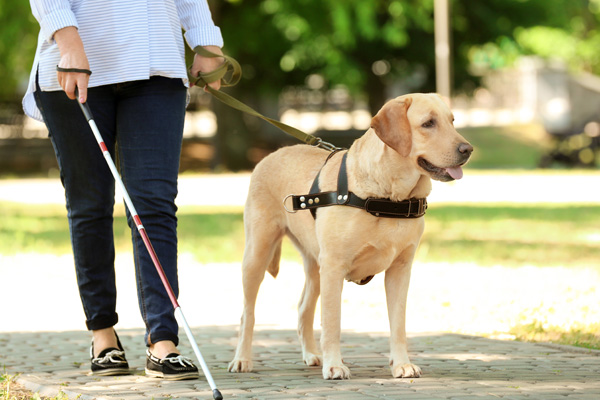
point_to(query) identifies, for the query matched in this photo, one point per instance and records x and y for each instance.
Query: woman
(126, 59)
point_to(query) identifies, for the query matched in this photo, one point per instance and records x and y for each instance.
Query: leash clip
(326, 145)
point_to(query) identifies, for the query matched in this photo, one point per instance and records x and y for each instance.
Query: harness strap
(385, 208)
(411, 208)
(315, 185)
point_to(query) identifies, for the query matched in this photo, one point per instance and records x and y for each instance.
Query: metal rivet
(302, 205)
(340, 197)
(345, 197)
(302, 198)
(377, 214)
(310, 201)
(317, 200)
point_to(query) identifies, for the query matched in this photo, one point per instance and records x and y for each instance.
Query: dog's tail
(273, 267)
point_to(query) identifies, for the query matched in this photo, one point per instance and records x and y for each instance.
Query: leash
(230, 73)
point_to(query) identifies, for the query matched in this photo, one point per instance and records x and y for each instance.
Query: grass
(10, 390)
(514, 235)
(515, 147)
(587, 336)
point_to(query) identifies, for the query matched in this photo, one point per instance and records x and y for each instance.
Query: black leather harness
(386, 208)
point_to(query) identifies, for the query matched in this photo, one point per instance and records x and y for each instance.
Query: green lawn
(542, 235)
(517, 147)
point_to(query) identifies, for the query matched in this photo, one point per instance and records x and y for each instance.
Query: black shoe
(110, 361)
(173, 367)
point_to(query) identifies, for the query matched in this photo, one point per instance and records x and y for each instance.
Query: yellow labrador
(411, 141)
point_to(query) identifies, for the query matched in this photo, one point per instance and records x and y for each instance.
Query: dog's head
(420, 127)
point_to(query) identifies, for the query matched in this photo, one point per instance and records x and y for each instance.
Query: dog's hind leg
(306, 313)
(262, 246)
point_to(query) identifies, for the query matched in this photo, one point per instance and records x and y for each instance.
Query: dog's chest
(394, 242)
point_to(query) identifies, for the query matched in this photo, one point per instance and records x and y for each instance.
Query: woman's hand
(72, 55)
(208, 64)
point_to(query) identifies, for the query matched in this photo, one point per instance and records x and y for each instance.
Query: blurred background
(515, 70)
(522, 77)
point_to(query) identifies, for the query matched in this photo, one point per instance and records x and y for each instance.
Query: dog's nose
(465, 149)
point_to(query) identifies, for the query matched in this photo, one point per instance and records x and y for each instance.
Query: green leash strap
(219, 74)
(231, 65)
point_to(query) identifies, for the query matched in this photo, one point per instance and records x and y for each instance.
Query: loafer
(110, 361)
(173, 367)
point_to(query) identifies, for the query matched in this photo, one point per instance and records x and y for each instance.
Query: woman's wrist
(68, 39)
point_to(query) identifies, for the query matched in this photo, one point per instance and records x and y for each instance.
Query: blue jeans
(143, 121)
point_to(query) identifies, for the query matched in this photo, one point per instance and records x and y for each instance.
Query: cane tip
(217, 395)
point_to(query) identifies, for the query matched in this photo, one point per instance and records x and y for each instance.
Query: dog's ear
(392, 126)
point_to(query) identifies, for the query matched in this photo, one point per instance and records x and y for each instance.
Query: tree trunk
(377, 93)
(232, 140)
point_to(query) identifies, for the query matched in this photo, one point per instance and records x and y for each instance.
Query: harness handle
(231, 65)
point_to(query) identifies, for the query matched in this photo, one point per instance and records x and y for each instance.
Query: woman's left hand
(208, 64)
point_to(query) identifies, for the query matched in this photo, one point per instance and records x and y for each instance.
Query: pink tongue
(455, 172)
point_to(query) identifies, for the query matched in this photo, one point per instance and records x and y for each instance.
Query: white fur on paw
(238, 365)
(312, 360)
(337, 372)
(406, 371)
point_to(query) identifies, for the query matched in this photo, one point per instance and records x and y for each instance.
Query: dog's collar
(411, 208)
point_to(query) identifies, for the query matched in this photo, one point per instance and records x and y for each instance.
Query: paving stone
(455, 367)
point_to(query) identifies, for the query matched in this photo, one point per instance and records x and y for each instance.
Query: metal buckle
(286, 209)
(326, 145)
(409, 207)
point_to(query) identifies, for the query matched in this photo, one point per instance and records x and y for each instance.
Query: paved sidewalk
(454, 367)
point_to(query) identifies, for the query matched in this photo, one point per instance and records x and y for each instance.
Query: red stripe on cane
(103, 146)
(157, 264)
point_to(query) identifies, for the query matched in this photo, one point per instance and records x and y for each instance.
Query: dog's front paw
(336, 372)
(240, 365)
(406, 371)
(312, 360)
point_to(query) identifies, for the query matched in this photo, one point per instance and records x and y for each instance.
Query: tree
(569, 32)
(366, 45)
(18, 39)
(340, 40)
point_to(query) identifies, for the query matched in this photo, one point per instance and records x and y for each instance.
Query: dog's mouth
(441, 174)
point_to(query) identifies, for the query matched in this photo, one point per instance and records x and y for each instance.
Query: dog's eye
(429, 124)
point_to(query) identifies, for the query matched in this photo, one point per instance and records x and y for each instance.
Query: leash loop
(220, 74)
(230, 65)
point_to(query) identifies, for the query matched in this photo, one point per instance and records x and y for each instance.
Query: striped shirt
(124, 40)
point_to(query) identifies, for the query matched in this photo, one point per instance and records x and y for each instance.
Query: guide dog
(412, 140)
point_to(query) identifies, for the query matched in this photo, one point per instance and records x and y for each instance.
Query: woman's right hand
(72, 55)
